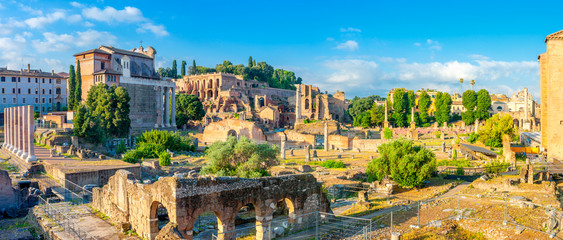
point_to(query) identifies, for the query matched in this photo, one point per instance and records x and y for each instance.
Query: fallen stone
(305, 168)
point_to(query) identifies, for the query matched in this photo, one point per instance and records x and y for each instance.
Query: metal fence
(62, 215)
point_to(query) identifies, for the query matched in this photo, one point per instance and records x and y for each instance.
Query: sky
(359, 47)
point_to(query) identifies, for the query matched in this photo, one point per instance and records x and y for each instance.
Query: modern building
(45, 91)
(152, 101)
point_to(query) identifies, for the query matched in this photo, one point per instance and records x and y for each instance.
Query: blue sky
(360, 47)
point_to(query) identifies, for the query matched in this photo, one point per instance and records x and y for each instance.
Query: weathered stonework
(220, 131)
(125, 200)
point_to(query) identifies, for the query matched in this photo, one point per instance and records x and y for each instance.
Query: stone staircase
(21, 164)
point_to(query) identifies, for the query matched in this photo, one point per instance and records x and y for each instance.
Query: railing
(61, 214)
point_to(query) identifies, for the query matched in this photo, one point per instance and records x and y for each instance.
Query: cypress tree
(183, 69)
(71, 86)
(174, 69)
(194, 68)
(250, 63)
(78, 88)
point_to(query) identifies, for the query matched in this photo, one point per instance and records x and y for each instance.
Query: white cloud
(30, 10)
(433, 45)
(10, 26)
(77, 4)
(74, 18)
(12, 52)
(478, 57)
(349, 45)
(110, 14)
(39, 22)
(417, 44)
(53, 64)
(350, 29)
(158, 30)
(64, 42)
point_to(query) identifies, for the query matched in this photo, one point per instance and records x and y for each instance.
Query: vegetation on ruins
(71, 86)
(387, 133)
(483, 104)
(164, 158)
(469, 102)
(400, 107)
(361, 109)
(242, 157)
(495, 127)
(261, 71)
(153, 143)
(406, 164)
(188, 107)
(106, 114)
(377, 115)
(443, 107)
(333, 164)
(496, 166)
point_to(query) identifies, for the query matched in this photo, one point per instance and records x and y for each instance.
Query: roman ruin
(19, 130)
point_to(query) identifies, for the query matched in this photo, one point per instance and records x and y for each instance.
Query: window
(36, 108)
(2, 90)
(36, 91)
(58, 91)
(23, 100)
(19, 79)
(43, 80)
(43, 109)
(43, 90)
(36, 80)
(13, 79)
(50, 91)
(19, 90)
(43, 101)
(14, 100)
(28, 80)
(13, 90)
(58, 81)
(49, 100)
(50, 81)
(36, 100)
(103, 65)
(3, 79)
(4, 100)
(29, 91)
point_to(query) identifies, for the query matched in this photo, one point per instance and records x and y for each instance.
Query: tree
(188, 107)
(194, 68)
(400, 107)
(469, 101)
(250, 63)
(377, 115)
(411, 97)
(183, 69)
(121, 120)
(483, 104)
(443, 107)
(242, 157)
(79, 118)
(358, 106)
(495, 127)
(406, 164)
(174, 69)
(387, 133)
(78, 88)
(424, 102)
(71, 86)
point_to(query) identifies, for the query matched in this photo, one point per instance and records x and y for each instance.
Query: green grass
(457, 163)
(333, 164)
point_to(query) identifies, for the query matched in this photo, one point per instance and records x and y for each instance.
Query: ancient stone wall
(125, 200)
(367, 144)
(339, 142)
(8, 197)
(219, 131)
(143, 105)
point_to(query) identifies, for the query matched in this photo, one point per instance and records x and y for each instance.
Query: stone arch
(516, 123)
(156, 215)
(209, 93)
(217, 83)
(306, 103)
(261, 102)
(191, 222)
(210, 83)
(232, 133)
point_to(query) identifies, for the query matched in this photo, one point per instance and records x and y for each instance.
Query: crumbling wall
(219, 131)
(8, 197)
(367, 144)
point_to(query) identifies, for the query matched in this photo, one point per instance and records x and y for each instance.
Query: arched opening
(206, 226)
(158, 217)
(58, 91)
(284, 209)
(306, 103)
(516, 123)
(217, 83)
(232, 133)
(499, 108)
(210, 83)
(209, 94)
(245, 222)
(261, 102)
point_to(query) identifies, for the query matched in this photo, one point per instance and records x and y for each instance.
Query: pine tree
(174, 69)
(78, 87)
(253, 62)
(183, 69)
(71, 86)
(250, 63)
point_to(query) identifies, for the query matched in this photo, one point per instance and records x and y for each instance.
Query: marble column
(386, 122)
(298, 103)
(20, 131)
(25, 131)
(283, 148)
(6, 130)
(326, 137)
(31, 128)
(173, 110)
(11, 126)
(167, 106)
(158, 107)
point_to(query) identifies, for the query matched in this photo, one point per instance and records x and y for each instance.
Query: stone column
(31, 128)
(413, 124)
(308, 153)
(386, 122)
(283, 148)
(173, 110)
(6, 144)
(20, 131)
(264, 229)
(167, 106)
(298, 103)
(25, 132)
(326, 137)
(476, 125)
(158, 107)
(11, 126)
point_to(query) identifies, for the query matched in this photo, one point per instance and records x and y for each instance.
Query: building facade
(45, 91)
(152, 101)
(551, 75)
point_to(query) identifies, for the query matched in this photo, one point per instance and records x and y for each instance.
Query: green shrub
(333, 164)
(172, 141)
(455, 163)
(438, 134)
(164, 158)
(145, 150)
(495, 167)
(407, 164)
(472, 137)
(242, 157)
(387, 133)
(454, 155)
(459, 171)
(121, 148)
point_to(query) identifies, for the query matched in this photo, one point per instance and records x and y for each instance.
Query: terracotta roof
(126, 52)
(107, 71)
(95, 50)
(31, 73)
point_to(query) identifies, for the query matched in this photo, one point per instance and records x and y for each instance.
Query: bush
(164, 158)
(333, 164)
(438, 134)
(172, 141)
(459, 171)
(146, 150)
(387, 133)
(495, 167)
(472, 137)
(454, 155)
(242, 157)
(406, 164)
(455, 163)
(121, 148)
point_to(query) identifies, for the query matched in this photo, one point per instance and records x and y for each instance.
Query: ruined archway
(209, 94)
(158, 217)
(245, 221)
(306, 103)
(232, 133)
(516, 123)
(205, 226)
